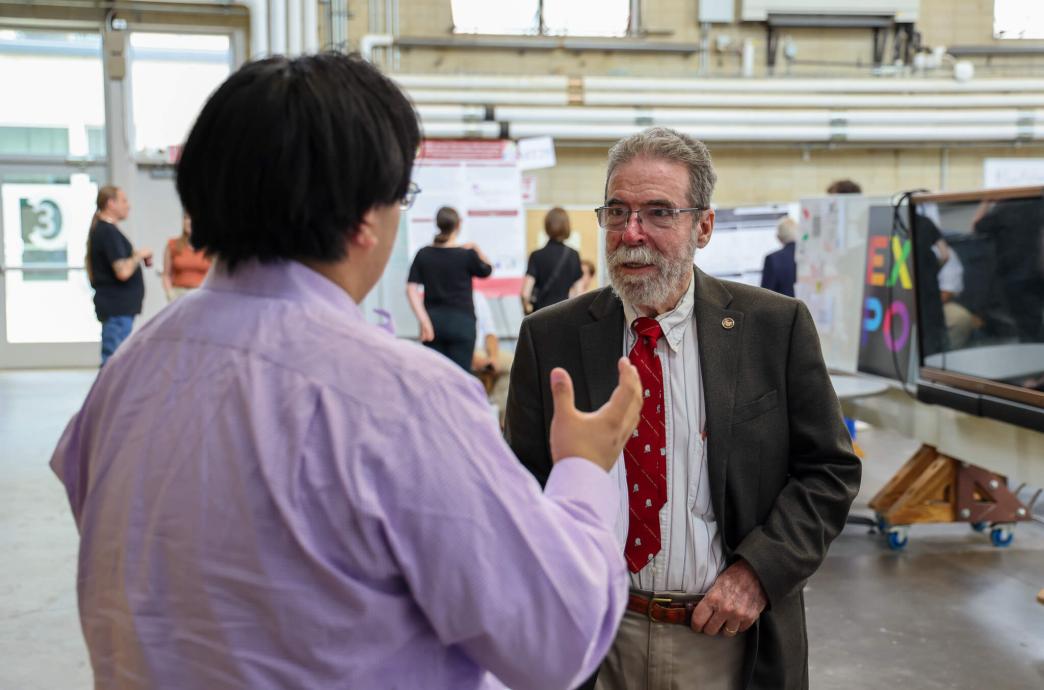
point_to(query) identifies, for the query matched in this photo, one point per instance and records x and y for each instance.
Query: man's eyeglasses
(411, 195)
(616, 218)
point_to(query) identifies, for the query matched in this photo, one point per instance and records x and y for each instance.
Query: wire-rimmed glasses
(410, 196)
(616, 218)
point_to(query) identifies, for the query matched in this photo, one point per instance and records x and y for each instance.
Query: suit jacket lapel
(601, 344)
(719, 358)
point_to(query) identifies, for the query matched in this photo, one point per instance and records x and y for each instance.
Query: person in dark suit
(755, 472)
(780, 271)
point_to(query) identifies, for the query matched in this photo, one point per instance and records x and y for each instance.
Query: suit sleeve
(824, 474)
(524, 425)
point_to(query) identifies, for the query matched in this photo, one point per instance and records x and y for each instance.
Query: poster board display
(887, 334)
(831, 263)
(742, 237)
(998, 173)
(482, 181)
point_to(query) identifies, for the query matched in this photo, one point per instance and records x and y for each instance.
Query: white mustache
(638, 255)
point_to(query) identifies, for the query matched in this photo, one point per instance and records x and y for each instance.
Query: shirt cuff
(577, 479)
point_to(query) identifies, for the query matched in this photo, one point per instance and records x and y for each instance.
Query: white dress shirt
(691, 555)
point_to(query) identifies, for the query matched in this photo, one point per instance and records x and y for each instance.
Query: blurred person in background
(844, 187)
(446, 312)
(490, 362)
(588, 281)
(780, 271)
(553, 273)
(184, 267)
(113, 269)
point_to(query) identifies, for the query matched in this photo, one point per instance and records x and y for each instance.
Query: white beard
(672, 274)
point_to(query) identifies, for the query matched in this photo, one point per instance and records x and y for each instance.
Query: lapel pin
(728, 323)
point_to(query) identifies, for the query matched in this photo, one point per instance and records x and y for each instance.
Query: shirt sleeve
(415, 271)
(530, 585)
(533, 267)
(69, 460)
(107, 244)
(477, 266)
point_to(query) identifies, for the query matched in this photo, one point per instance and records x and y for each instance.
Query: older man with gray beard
(740, 473)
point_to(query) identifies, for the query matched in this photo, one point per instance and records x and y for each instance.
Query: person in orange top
(183, 267)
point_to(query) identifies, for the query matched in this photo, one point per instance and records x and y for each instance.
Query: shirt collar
(672, 322)
(286, 280)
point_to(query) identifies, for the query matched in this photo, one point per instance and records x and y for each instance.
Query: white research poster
(482, 181)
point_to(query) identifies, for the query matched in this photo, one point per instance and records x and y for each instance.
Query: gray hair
(668, 144)
(787, 230)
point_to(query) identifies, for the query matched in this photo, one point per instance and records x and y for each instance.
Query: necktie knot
(647, 327)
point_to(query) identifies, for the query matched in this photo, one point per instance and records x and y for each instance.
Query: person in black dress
(446, 313)
(554, 271)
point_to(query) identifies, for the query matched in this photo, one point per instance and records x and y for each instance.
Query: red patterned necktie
(645, 455)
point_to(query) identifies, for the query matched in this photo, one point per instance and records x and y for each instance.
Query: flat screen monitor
(979, 272)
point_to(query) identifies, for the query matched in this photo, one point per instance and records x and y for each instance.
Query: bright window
(172, 75)
(542, 17)
(51, 97)
(1018, 19)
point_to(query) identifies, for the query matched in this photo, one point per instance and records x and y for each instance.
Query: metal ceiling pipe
(370, 41)
(737, 133)
(707, 133)
(463, 81)
(458, 130)
(785, 85)
(258, 10)
(653, 116)
(453, 113)
(294, 24)
(277, 38)
(426, 96)
(310, 39)
(712, 100)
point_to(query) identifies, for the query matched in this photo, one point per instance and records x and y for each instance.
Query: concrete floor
(948, 612)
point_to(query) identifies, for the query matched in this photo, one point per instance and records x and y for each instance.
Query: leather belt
(664, 609)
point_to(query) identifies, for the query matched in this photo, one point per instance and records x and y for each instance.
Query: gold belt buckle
(663, 601)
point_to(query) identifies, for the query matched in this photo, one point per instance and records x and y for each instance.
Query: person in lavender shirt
(273, 493)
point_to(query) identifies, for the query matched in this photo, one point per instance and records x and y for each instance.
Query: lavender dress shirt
(272, 493)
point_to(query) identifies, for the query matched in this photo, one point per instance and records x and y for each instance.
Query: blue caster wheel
(980, 526)
(897, 538)
(882, 524)
(1001, 537)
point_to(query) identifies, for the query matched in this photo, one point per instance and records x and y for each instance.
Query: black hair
(844, 187)
(446, 220)
(287, 156)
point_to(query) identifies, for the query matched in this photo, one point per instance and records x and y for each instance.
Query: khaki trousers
(647, 655)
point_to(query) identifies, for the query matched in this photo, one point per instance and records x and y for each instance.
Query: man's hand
(597, 436)
(734, 602)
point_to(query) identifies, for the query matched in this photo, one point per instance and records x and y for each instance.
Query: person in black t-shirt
(554, 272)
(113, 270)
(447, 312)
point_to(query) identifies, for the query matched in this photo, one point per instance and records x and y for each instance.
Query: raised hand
(597, 436)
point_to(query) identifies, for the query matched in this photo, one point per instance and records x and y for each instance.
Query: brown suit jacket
(780, 460)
